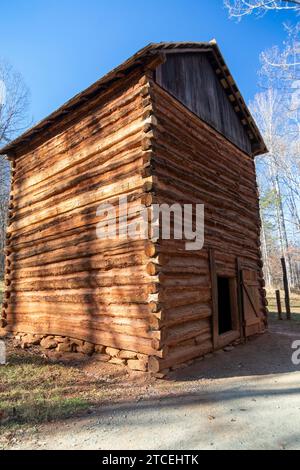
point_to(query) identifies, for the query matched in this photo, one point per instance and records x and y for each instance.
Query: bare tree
(239, 8)
(4, 192)
(277, 111)
(281, 63)
(278, 174)
(14, 100)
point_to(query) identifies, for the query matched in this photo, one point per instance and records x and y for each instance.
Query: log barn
(169, 126)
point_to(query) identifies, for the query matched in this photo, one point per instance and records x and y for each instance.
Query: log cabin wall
(193, 163)
(60, 278)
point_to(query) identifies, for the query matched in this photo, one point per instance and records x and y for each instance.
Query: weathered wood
(198, 87)
(278, 301)
(180, 355)
(286, 289)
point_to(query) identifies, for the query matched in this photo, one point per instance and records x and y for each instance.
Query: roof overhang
(151, 56)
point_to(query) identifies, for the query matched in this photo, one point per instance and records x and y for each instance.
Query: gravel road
(248, 398)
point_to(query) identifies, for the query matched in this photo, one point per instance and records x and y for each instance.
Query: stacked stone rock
(134, 361)
(131, 359)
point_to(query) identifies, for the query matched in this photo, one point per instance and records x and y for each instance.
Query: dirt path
(248, 398)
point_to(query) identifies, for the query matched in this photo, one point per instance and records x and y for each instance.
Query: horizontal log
(86, 296)
(74, 252)
(186, 313)
(134, 327)
(87, 279)
(176, 334)
(132, 310)
(183, 280)
(172, 298)
(89, 263)
(179, 356)
(115, 340)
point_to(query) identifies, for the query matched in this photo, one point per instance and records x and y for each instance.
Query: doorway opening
(224, 305)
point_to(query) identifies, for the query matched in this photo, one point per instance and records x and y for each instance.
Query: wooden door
(251, 302)
(222, 339)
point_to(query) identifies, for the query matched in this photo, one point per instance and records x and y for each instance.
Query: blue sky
(62, 46)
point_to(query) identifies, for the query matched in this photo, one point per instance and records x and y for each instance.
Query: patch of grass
(33, 391)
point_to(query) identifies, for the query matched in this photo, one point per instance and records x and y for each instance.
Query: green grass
(34, 391)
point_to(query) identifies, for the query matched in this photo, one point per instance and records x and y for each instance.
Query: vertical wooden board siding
(191, 79)
(63, 279)
(252, 302)
(193, 163)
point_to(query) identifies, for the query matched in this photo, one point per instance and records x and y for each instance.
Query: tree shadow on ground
(266, 354)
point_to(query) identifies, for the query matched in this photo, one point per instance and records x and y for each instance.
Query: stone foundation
(130, 359)
(62, 344)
